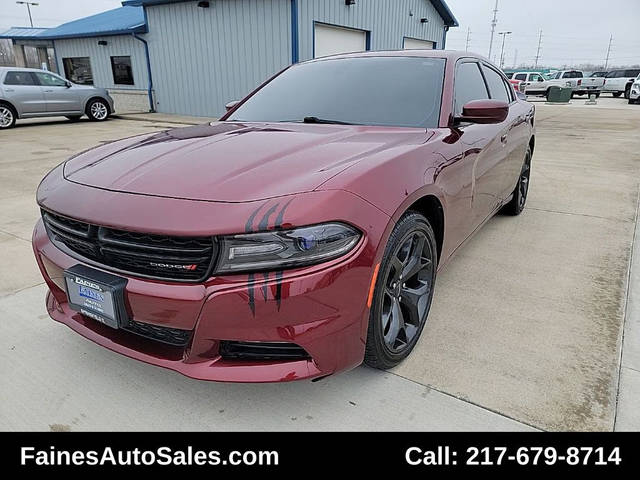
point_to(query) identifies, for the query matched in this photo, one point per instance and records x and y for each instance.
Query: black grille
(262, 351)
(186, 259)
(172, 336)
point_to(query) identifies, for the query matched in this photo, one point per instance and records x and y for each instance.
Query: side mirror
(68, 84)
(231, 105)
(484, 111)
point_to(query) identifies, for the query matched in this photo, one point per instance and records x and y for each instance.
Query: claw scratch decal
(262, 226)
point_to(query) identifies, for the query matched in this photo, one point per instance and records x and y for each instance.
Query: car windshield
(385, 91)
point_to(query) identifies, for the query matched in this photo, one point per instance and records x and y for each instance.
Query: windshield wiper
(323, 120)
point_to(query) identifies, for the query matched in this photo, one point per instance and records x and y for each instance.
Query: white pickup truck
(618, 82)
(533, 82)
(576, 80)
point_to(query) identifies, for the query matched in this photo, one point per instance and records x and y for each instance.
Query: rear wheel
(8, 116)
(403, 292)
(616, 94)
(97, 110)
(517, 203)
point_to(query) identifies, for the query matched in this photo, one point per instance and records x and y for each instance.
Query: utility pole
(494, 22)
(606, 63)
(504, 36)
(466, 49)
(538, 52)
(28, 4)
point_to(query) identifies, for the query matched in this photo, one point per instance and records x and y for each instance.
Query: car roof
(447, 54)
(24, 69)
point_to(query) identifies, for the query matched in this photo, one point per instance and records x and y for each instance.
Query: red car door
(511, 144)
(484, 144)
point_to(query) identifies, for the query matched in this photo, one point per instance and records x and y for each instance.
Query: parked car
(618, 82)
(634, 91)
(31, 93)
(299, 235)
(533, 83)
(576, 81)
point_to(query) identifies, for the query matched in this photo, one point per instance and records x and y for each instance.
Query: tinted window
(469, 85)
(632, 73)
(78, 70)
(388, 91)
(496, 85)
(48, 80)
(122, 71)
(19, 78)
(509, 75)
(521, 76)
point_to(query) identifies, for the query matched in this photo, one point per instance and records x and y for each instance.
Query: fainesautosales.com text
(161, 456)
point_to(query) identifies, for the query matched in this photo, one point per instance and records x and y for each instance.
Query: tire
(8, 116)
(546, 94)
(517, 203)
(74, 118)
(97, 110)
(598, 95)
(627, 92)
(616, 94)
(395, 323)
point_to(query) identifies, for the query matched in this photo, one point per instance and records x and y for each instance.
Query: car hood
(234, 162)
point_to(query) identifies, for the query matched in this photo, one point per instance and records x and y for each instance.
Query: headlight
(282, 249)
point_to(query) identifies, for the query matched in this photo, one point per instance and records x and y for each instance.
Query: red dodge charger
(298, 236)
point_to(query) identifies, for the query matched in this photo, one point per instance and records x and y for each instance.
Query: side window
(19, 78)
(521, 76)
(632, 73)
(48, 80)
(496, 85)
(122, 71)
(578, 75)
(469, 86)
(536, 78)
(78, 70)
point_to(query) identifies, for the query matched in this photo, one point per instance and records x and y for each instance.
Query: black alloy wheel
(519, 199)
(403, 294)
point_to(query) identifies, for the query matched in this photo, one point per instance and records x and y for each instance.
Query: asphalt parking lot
(526, 329)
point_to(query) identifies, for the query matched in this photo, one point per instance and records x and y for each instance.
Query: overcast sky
(574, 31)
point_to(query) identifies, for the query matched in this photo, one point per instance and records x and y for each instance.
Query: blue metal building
(192, 57)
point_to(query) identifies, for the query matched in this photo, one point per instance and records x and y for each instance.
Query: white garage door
(413, 44)
(331, 40)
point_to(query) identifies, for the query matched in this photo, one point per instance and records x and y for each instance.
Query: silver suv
(30, 93)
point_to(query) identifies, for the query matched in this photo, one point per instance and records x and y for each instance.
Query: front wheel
(97, 110)
(519, 199)
(627, 92)
(403, 292)
(616, 94)
(7, 116)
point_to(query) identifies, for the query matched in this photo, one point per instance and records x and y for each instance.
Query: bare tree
(6, 53)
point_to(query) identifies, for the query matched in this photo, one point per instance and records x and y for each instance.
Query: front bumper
(634, 93)
(322, 309)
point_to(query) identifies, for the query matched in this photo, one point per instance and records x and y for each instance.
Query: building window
(122, 71)
(78, 70)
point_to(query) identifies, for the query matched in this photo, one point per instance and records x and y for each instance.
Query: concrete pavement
(525, 330)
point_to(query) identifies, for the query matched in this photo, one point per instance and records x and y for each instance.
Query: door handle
(48, 91)
(503, 138)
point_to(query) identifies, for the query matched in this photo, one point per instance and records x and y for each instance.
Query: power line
(606, 63)
(539, 45)
(494, 22)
